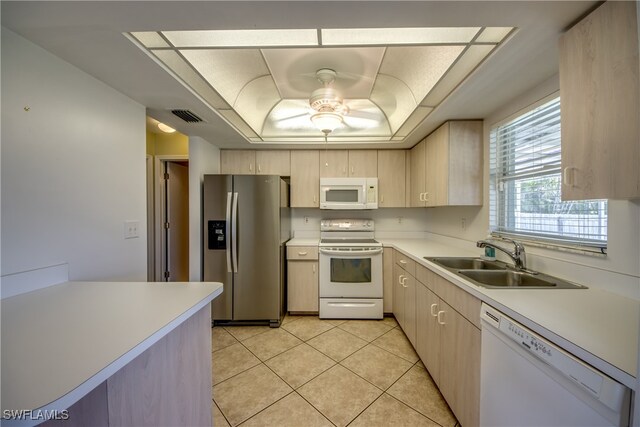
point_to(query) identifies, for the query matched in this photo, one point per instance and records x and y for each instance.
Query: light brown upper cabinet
(446, 167)
(417, 173)
(363, 163)
(273, 162)
(391, 178)
(305, 179)
(599, 88)
(242, 162)
(334, 163)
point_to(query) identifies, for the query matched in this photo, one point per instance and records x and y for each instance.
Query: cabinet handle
(403, 261)
(302, 253)
(381, 200)
(250, 167)
(314, 268)
(440, 313)
(433, 309)
(567, 176)
(315, 199)
(400, 277)
(426, 197)
(402, 283)
(351, 170)
(259, 168)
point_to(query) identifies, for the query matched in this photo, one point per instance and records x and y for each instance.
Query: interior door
(177, 215)
(256, 293)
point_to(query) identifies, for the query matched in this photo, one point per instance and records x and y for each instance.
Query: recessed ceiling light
(391, 36)
(165, 128)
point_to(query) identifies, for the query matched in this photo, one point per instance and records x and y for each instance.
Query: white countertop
(304, 241)
(598, 327)
(60, 342)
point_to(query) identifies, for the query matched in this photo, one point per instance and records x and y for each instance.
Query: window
(525, 198)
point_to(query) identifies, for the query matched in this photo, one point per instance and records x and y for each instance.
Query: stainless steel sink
(453, 263)
(516, 279)
(499, 275)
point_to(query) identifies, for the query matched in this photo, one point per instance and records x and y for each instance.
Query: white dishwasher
(527, 381)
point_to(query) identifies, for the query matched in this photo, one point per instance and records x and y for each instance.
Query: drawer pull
(440, 313)
(433, 310)
(400, 279)
(402, 283)
(403, 261)
(303, 253)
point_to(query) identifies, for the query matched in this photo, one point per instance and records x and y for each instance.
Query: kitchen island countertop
(60, 342)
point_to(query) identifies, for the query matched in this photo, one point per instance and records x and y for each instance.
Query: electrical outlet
(306, 220)
(463, 224)
(399, 220)
(131, 229)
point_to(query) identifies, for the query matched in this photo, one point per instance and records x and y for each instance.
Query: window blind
(525, 185)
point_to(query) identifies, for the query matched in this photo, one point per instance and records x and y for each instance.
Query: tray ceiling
(260, 81)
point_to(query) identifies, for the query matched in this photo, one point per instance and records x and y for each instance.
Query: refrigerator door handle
(228, 231)
(234, 233)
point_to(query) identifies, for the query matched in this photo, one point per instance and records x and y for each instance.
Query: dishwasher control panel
(589, 379)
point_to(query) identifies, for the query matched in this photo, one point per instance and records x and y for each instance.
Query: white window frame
(500, 206)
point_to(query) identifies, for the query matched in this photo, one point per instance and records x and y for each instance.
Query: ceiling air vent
(187, 116)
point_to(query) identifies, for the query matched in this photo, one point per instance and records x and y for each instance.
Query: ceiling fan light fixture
(326, 121)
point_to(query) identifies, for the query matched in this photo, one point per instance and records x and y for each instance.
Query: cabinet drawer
(425, 276)
(405, 262)
(302, 252)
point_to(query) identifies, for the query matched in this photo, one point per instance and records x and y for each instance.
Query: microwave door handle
(228, 231)
(234, 233)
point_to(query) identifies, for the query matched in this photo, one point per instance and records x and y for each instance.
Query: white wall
(619, 271)
(204, 158)
(73, 169)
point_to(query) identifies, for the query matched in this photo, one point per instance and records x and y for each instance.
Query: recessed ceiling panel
(227, 70)
(238, 38)
(493, 34)
(255, 101)
(294, 70)
(394, 98)
(419, 67)
(172, 60)
(391, 36)
(150, 39)
(465, 65)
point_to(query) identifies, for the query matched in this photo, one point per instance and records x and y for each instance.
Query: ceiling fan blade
(364, 115)
(283, 119)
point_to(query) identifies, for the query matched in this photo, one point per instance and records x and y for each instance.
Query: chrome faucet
(518, 255)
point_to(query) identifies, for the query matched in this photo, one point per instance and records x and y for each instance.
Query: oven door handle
(351, 253)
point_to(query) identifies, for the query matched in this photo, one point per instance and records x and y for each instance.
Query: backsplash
(387, 219)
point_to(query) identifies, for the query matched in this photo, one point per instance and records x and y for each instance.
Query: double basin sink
(499, 275)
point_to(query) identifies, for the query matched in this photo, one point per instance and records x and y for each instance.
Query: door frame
(160, 217)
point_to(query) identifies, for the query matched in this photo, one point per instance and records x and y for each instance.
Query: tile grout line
(219, 410)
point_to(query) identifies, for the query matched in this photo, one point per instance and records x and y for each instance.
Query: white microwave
(348, 193)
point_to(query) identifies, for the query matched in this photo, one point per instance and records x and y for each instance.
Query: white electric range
(350, 270)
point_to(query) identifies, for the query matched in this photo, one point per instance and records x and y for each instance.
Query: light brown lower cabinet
(404, 302)
(302, 279)
(449, 344)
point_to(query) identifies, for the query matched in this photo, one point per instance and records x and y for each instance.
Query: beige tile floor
(313, 372)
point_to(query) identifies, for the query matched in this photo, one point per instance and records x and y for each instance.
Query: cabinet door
(410, 308)
(599, 83)
(461, 182)
(418, 179)
(273, 162)
(387, 280)
(241, 162)
(391, 178)
(305, 179)
(460, 366)
(363, 163)
(302, 286)
(398, 294)
(334, 163)
(433, 164)
(428, 330)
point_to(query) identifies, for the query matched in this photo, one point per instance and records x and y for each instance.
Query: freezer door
(257, 281)
(217, 262)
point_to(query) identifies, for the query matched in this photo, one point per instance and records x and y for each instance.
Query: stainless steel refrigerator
(246, 225)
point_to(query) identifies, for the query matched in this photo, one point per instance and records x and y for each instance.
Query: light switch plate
(131, 229)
